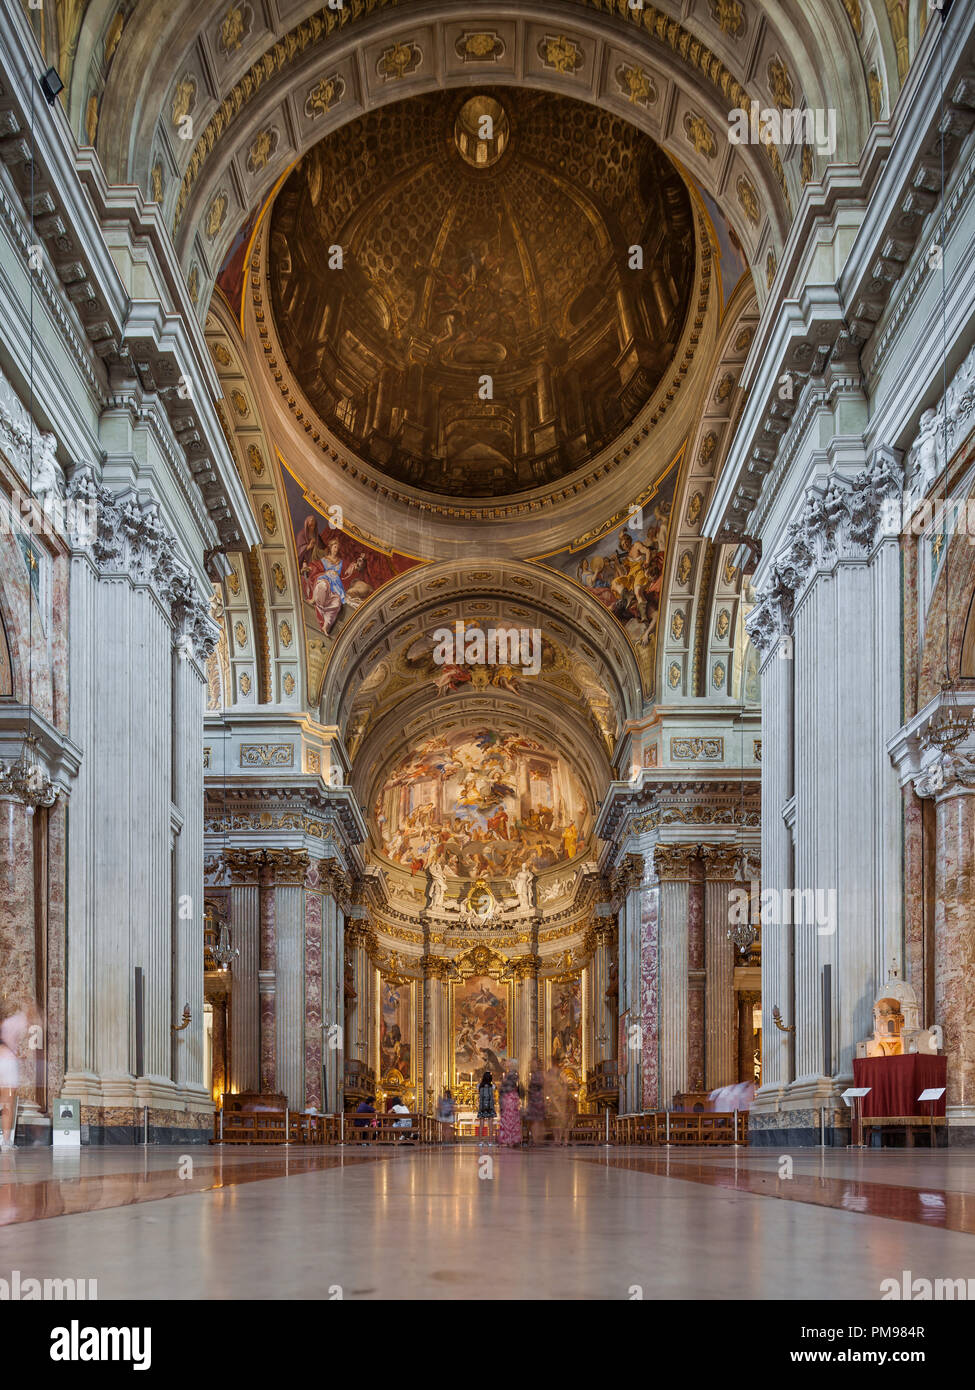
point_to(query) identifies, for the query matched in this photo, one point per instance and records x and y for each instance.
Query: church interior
(487, 649)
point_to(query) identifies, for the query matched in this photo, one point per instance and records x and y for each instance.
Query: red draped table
(896, 1082)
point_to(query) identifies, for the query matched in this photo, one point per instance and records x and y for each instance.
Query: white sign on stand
(66, 1124)
(853, 1096)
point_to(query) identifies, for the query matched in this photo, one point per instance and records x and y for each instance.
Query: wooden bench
(909, 1124)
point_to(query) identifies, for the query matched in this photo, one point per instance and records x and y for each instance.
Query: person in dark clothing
(486, 1109)
(365, 1108)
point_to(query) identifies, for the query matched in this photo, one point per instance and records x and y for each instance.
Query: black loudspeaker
(51, 85)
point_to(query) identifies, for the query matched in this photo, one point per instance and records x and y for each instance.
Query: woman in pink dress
(12, 1030)
(510, 1134)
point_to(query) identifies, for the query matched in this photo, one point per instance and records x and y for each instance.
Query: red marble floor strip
(927, 1206)
(47, 1197)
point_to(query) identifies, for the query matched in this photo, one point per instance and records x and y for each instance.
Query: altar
(896, 1082)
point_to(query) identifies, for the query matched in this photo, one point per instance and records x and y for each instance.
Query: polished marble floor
(578, 1223)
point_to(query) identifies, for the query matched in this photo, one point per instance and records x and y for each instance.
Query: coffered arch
(246, 73)
(588, 664)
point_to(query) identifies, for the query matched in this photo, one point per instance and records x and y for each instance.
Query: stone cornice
(896, 187)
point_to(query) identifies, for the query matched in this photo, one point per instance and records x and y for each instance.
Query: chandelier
(26, 780)
(218, 943)
(950, 725)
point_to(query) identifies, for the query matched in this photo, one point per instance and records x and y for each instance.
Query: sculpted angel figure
(438, 885)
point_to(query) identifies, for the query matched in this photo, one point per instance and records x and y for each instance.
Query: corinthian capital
(435, 967)
(335, 881)
(126, 535)
(288, 866)
(675, 861)
(720, 861)
(952, 774)
(244, 866)
(627, 875)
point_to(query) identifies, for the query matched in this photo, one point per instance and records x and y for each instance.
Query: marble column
(649, 990)
(626, 884)
(434, 1061)
(525, 1040)
(359, 1003)
(696, 979)
(290, 868)
(18, 931)
(951, 781)
(605, 979)
(333, 937)
(719, 871)
(267, 980)
(315, 990)
(244, 869)
(675, 867)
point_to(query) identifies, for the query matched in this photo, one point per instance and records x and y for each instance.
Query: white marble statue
(48, 481)
(437, 876)
(524, 883)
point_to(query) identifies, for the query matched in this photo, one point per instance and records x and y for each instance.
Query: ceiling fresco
(412, 668)
(621, 564)
(338, 572)
(481, 802)
(484, 330)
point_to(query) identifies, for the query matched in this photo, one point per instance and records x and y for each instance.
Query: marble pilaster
(267, 979)
(951, 781)
(286, 957)
(244, 868)
(719, 870)
(314, 1000)
(675, 867)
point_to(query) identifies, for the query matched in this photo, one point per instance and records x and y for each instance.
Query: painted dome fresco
(486, 327)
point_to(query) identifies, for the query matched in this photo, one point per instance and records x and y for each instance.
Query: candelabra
(26, 780)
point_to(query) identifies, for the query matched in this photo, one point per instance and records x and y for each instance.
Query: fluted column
(837, 583)
(131, 598)
(358, 1001)
(188, 869)
(675, 866)
(244, 869)
(605, 988)
(719, 871)
(525, 1043)
(778, 755)
(290, 868)
(696, 979)
(434, 1058)
(267, 979)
